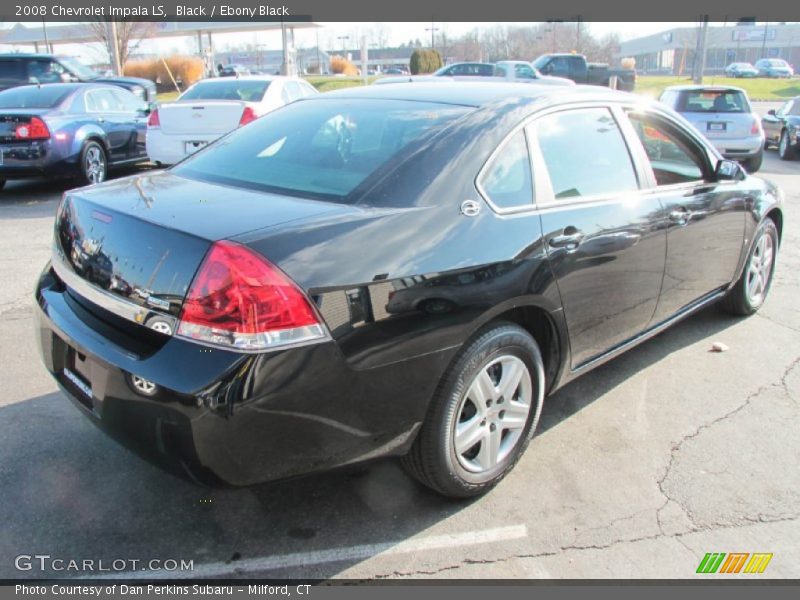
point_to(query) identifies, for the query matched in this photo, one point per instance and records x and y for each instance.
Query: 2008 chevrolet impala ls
(401, 270)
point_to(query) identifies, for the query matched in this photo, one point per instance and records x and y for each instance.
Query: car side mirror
(729, 170)
(771, 112)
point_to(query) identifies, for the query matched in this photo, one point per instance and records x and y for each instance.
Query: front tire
(482, 416)
(785, 151)
(93, 167)
(754, 163)
(750, 291)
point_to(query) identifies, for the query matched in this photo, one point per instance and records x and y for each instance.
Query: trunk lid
(141, 239)
(203, 117)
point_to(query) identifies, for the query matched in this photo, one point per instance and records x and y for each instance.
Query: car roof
(704, 88)
(243, 78)
(468, 93)
(28, 55)
(69, 87)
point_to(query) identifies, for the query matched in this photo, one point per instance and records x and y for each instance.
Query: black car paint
(245, 418)
(774, 124)
(144, 88)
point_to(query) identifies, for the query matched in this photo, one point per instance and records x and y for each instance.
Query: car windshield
(776, 62)
(236, 89)
(321, 149)
(46, 96)
(540, 62)
(78, 68)
(713, 101)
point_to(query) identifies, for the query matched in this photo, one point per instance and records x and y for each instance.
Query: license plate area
(716, 128)
(77, 372)
(192, 147)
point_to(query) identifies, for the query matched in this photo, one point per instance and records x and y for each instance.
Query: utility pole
(46, 43)
(764, 42)
(113, 46)
(433, 30)
(700, 51)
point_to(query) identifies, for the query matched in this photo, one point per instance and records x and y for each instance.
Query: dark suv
(23, 69)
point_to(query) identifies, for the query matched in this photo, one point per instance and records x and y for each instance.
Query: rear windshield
(234, 89)
(776, 62)
(713, 101)
(319, 148)
(45, 96)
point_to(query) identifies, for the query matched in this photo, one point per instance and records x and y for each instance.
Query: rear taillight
(248, 115)
(238, 300)
(152, 121)
(756, 127)
(35, 130)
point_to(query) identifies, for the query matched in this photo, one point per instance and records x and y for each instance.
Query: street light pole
(342, 38)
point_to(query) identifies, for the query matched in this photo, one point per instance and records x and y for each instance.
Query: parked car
(774, 67)
(741, 69)
(509, 70)
(69, 130)
(250, 340)
(24, 69)
(722, 114)
(782, 129)
(478, 69)
(233, 71)
(213, 107)
(394, 71)
(580, 70)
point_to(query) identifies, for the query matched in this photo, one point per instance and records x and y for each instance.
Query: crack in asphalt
(779, 323)
(678, 537)
(743, 521)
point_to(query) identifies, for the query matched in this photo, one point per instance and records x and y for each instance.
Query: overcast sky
(396, 34)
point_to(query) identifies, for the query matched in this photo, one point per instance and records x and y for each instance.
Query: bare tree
(130, 35)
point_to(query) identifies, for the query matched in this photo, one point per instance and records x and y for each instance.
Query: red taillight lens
(756, 127)
(152, 121)
(248, 115)
(35, 130)
(241, 301)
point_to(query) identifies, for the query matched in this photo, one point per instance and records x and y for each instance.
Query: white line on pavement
(298, 559)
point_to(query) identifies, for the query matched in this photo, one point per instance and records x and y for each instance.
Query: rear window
(234, 89)
(33, 97)
(9, 69)
(713, 101)
(320, 148)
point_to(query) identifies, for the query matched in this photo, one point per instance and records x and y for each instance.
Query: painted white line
(318, 557)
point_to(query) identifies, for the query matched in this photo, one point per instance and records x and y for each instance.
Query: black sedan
(70, 130)
(402, 270)
(782, 129)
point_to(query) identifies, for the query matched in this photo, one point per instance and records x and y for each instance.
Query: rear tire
(785, 151)
(753, 163)
(93, 165)
(750, 291)
(483, 414)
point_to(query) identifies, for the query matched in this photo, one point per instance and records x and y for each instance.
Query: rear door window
(506, 181)
(10, 70)
(585, 153)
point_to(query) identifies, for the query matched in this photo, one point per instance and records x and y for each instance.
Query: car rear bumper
(168, 149)
(37, 159)
(740, 148)
(220, 416)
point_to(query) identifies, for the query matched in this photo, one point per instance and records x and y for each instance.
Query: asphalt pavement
(639, 469)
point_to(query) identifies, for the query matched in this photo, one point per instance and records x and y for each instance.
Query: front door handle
(680, 216)
(570, 238)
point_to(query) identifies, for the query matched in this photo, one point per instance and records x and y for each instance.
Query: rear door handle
(570, 238)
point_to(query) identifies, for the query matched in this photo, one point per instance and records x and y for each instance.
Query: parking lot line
(363, 551)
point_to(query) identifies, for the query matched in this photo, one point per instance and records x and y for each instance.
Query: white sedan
(213, 107)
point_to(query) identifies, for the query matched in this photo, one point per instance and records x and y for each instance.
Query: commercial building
(673, 52)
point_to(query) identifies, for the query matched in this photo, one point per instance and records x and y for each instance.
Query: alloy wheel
(759, 270)
(95, 165)
(492, 414)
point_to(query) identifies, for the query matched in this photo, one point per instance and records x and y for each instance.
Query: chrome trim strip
(108, 301)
